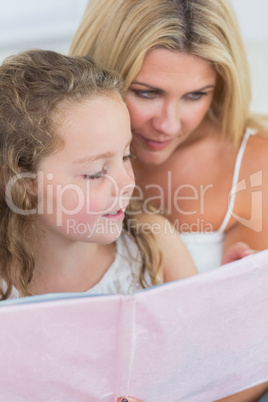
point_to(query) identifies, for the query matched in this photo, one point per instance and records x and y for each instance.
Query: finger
(236, 252)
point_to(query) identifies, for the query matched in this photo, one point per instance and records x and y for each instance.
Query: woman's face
(167, 101)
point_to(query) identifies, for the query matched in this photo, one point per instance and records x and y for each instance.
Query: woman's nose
(168, 120)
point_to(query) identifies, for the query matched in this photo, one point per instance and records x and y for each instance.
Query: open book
(197, 339)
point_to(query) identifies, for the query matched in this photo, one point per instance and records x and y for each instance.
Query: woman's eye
(146, 94)
(128, 157)
(95, 176)
(195, 95)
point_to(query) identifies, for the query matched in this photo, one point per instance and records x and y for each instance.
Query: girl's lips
(118, 215)
(154, 145)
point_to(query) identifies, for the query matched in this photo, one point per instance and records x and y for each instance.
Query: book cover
(196, 339)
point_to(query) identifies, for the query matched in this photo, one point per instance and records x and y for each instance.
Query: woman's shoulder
(254, 167)
(258, 139)
(176, 261)
(252, 185)
(256, 152)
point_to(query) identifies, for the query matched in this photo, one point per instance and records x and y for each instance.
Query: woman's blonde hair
(119, 33)
(33, 85)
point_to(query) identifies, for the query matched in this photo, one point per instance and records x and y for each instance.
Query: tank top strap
(237, 167)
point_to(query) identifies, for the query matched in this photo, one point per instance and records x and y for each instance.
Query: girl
(66, 222)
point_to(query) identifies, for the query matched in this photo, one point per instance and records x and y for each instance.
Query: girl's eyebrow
(161, 90)
(91, 158)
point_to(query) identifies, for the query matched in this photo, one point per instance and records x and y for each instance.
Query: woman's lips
(154, 145)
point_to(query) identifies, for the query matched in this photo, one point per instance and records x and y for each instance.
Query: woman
(201, 156)
(188, 93)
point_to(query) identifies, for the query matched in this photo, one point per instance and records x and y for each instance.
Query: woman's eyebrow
(146, 85)
(161, 90)
(204, 88)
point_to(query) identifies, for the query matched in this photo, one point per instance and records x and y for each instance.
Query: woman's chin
(152, 159)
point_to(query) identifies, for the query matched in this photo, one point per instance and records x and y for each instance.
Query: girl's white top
(123, 274)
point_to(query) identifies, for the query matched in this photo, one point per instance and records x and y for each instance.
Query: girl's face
(85, 187)
(167, 101)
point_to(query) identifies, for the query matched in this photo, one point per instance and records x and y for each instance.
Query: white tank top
(122, 276)
(206, 248)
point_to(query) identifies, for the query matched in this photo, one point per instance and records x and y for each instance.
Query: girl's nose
(124, 182)
(127, 181)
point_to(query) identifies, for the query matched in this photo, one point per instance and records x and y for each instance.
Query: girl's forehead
(93, 119)
(86, 100)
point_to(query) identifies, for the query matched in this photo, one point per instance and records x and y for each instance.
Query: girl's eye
(145, 94)
(97, 175)
(128, 157)
(195, 95)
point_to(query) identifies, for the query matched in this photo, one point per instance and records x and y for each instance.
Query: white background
(52, 23)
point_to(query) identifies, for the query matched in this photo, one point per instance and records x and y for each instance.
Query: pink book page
(198, 339)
